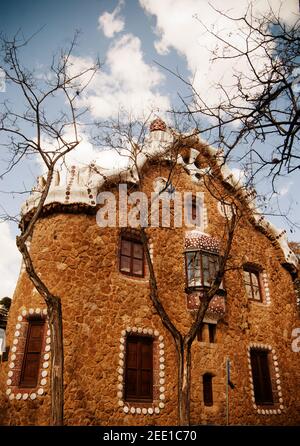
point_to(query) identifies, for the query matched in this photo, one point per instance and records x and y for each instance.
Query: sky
(134, 40)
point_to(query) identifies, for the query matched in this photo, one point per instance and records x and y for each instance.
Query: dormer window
(201, 268)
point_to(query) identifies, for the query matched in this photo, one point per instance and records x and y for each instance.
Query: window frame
(138, 397)
(193, 213)
(253, 270)
(212, 333)
(132, 241)
(22, 383)
(263, 389)
(207, 384)
(211, 330)
(194, 207)
(201, 254)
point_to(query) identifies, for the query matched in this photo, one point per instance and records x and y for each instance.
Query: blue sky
(129, 37)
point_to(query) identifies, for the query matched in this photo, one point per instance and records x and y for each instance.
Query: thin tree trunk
(183, 344)
(184, 384)
(57, 361)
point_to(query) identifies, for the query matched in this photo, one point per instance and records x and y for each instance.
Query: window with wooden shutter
(261, 376)
(32, 354)
(139, 369)
(207, 389)
(132, 257)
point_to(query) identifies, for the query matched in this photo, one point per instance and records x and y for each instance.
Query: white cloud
(82, 155)
(85, 153)
(178, 29)
(284, 190)
(10, 261)
(112, 23)
(126, 82)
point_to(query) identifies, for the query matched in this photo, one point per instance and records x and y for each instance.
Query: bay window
(201, 268)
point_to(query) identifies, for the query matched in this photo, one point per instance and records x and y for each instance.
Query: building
(120, 360)
(5, 303)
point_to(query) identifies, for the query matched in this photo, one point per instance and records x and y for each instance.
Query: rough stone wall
(79, 262)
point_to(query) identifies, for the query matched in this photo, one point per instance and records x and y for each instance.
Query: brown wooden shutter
(139, 369)
(207, 389)
(261, 377)
(32, 354)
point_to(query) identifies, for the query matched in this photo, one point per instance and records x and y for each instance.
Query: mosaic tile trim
(265, 283)
(70, 183)
(199, 240)
(158, 124)
(216, 309)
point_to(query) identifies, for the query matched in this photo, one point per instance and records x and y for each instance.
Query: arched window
(207, 389)
(252, 282)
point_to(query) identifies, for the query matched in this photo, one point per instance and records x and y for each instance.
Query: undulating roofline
(83, 184)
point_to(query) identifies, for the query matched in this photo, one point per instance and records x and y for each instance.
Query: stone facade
(79, 261)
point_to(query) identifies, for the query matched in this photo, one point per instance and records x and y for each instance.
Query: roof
(83, 183)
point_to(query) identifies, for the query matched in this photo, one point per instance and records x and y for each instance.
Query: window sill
(266, 405)
(258, 303)
(202, 288)
(125, 273)
(136, 401)
(134, 278)
(214, 409)
(208, 344)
